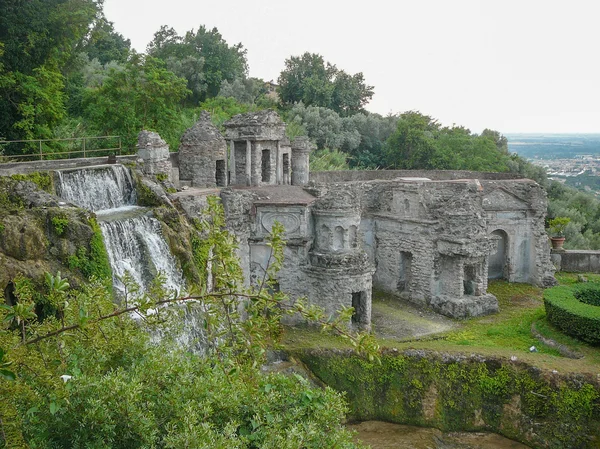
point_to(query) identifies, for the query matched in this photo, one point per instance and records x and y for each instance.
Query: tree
(104, 44)
(325, 127)
(248, 90)
(144, 95)
(412, 145)
(37, 38)
(311, 80)
(500, 141)
(202, 57)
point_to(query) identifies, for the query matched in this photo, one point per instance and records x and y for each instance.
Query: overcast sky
(510, 65)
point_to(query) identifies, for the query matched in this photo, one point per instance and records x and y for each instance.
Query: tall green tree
(105, 44)
(144, 95)
(37, 38)
(311, 80)
(202, 57)
(412, 145)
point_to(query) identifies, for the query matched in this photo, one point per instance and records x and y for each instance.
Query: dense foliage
(574, 316)
(311, 80)
(92, 373)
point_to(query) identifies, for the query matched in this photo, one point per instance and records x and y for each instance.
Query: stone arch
(498, 261)
(338, 238)
(324, 237)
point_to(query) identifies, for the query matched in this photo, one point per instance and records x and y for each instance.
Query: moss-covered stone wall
(39, 234)
(471, 393)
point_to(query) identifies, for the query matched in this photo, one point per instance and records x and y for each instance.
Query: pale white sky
(509, 65)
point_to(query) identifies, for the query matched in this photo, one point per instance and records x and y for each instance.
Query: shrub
(588, 294)
(60, 223)
(571, 315)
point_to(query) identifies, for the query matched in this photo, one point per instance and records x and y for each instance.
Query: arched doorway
(497, 266)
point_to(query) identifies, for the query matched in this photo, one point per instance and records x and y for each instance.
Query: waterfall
(101, 188)
(133, 239)
(135, 244)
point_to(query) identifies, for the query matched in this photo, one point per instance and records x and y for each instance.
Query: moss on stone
(43, 180)
(92, 261)
(456, 392)
(180, 235)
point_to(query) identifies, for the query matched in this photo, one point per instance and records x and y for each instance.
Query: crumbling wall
(518, 208)
(201, 147)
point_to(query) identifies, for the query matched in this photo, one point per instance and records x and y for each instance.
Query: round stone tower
(203, 155)
(339, 270)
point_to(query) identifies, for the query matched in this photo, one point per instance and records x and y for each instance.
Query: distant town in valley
(572, 159)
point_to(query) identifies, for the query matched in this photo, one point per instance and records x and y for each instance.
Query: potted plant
(556, 229)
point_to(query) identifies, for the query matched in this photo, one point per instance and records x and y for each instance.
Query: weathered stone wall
(578, 261)
(428, 241)
(373, 175)
(518, 209)
(153, 153)
(201, 147)
(458, 392)
(16, 168)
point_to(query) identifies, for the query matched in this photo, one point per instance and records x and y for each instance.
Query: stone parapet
(578, 261)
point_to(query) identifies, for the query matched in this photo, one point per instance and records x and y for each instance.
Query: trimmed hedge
(588, 293)
(571, 315)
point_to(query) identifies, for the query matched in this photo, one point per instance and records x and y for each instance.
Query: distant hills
(553, 146)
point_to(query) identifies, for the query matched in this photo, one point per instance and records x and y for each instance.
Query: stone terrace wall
(579, 261)
(371, 175)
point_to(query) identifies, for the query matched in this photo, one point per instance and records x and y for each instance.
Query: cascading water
(102, 188)
(134, 243)
(133, 239)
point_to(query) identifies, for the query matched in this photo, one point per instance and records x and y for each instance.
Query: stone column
(278, 164)
(155, 154)
(232, 162)
(257, 172)
(301, 148)
(248, 163)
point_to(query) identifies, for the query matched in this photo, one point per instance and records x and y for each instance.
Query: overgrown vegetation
(463, 393)
(59, 223)
(43, 180)
(93, 263)
(109, 384)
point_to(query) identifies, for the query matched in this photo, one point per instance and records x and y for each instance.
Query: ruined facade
(258, 154)
(434, 238)
(204, 152)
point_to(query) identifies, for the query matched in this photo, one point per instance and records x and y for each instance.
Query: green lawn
(507, 333)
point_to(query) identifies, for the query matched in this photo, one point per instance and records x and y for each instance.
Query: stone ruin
(205, 154)
(433, 238)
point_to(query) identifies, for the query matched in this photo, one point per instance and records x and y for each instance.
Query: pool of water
(382, 435)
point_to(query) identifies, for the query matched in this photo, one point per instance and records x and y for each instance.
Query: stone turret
(301, 148)
(154, 153)
(203, 155)
(339, 268)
